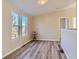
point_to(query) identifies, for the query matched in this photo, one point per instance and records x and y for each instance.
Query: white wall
(9, 45)
(48, 25)
(69, 43)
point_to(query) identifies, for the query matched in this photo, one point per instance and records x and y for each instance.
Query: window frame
(20, 36)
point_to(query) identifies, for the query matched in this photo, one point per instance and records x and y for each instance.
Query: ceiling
(32, 8)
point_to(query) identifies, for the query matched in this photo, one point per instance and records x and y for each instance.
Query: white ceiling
(31, 7)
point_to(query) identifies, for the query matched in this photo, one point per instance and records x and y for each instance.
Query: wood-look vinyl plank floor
(38, 49)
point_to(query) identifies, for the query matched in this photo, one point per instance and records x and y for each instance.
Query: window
(19, 25)
(23, 25)
(74, 23)
(64, 23)
(14, 25)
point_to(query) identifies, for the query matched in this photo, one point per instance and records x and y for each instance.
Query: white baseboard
(15, 49)
(49, 39)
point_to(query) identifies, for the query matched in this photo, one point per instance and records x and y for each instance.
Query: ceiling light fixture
(42, 2)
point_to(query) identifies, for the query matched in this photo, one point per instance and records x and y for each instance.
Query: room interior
(54, 22)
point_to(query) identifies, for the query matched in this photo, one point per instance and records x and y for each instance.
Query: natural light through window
(74, 22)
(23, 25)
(19, 25)
(14, 25)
